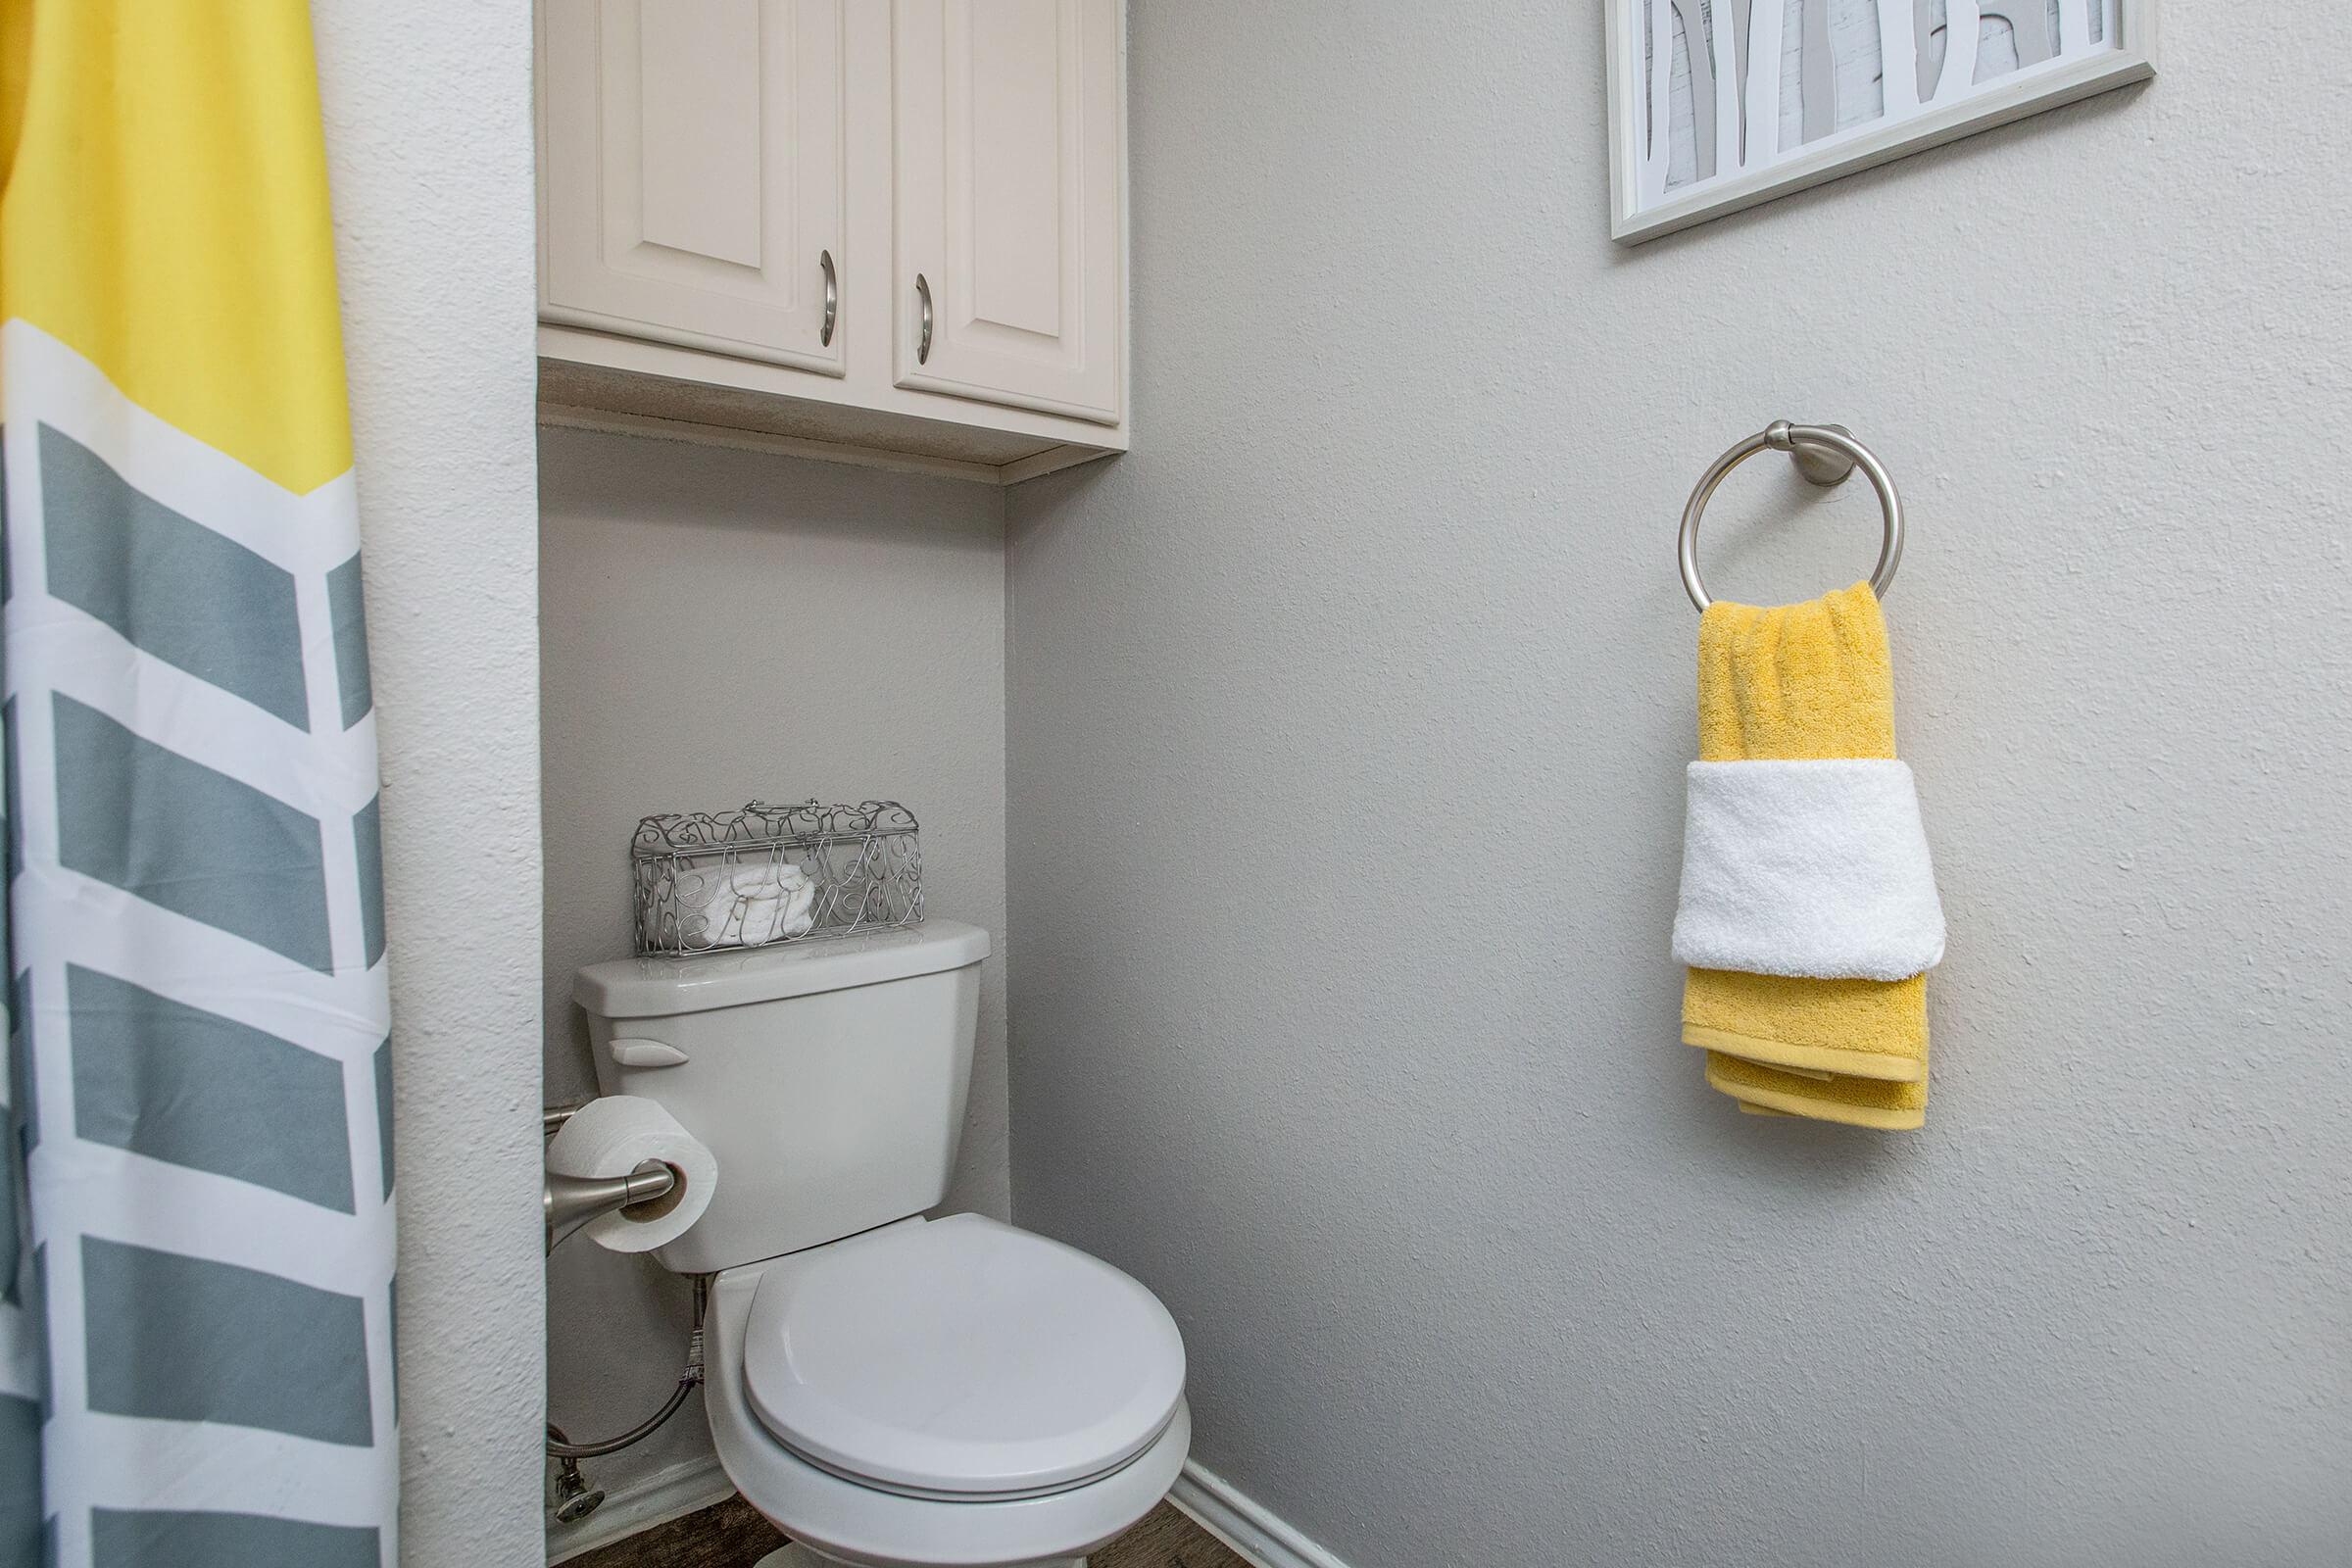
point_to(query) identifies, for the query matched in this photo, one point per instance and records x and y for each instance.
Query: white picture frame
(1639, 37)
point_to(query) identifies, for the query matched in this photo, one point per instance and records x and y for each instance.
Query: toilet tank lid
(658, 988)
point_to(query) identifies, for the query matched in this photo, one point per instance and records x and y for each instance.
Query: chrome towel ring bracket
(1824, 453)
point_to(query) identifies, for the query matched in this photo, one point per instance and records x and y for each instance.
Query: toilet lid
(961, 1356)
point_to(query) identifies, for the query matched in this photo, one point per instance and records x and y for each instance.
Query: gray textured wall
(719, 626)
(427, 111)
(1348, 721)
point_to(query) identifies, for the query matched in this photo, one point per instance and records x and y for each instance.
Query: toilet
(891, 1391)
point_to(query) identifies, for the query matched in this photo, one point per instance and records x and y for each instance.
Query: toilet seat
(863, 1523)
(960, 1358)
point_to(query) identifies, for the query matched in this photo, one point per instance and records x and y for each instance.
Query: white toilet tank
(827, 1077)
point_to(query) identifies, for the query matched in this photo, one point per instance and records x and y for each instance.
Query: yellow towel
(1856, 1101)
(1795, 683)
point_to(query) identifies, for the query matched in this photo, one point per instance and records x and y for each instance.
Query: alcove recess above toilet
(853, 237)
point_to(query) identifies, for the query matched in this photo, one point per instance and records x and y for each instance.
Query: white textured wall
(1348, 720)
(719, 626)
(427, 111)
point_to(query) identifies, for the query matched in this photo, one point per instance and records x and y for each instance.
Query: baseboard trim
(1243, 1523)
(659, 1498)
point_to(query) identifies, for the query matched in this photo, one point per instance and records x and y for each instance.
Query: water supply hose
(688, 1380)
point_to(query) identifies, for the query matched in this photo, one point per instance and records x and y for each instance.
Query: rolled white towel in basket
(744, 905)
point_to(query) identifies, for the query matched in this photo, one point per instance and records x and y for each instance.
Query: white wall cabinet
(881, 232)
(1006, 132)
(693, 169)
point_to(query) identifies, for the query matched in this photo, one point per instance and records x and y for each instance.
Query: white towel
(744, 905)
(1816, 869)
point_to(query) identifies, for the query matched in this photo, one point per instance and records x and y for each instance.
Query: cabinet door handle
(824, 333)
(922, 341)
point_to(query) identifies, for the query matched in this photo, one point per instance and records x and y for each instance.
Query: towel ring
(1824, 453)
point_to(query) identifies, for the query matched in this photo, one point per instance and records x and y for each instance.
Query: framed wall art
(1716, 105)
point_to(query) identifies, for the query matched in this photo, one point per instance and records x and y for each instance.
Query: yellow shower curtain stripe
(169, 218)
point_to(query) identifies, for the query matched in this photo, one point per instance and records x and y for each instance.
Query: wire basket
(774, 873)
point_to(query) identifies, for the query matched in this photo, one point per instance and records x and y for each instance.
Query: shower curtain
(196, 1298)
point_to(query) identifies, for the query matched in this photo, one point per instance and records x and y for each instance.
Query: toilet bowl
(947, 1393)
(892, 1392)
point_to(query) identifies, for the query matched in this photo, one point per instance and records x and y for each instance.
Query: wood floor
(732, 1535)
(1166, 1538)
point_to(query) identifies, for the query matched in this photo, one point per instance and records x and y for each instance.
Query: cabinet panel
(694, 173)
(1007, 128)
(698, 130)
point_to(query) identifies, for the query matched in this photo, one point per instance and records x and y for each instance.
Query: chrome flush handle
(922, 341)
(824, 331)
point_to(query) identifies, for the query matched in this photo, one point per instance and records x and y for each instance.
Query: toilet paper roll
(614, 1136)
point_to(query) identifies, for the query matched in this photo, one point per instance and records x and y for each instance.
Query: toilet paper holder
(572, 1202)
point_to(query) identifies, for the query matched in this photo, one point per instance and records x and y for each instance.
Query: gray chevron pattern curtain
(196, 1287)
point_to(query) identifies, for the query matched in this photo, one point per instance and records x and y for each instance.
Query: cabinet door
(1009, 165)
(694, 173)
